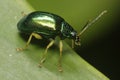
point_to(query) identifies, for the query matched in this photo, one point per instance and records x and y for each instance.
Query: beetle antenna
(89, 23)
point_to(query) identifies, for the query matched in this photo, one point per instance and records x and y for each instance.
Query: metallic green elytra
(45, 25)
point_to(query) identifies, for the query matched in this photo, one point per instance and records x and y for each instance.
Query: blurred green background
(100, 43)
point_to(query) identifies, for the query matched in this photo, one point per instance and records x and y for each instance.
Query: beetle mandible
(48, 25)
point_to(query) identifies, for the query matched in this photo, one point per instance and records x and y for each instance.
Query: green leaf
(24, 65)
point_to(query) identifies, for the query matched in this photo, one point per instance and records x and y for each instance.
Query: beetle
(45, 25)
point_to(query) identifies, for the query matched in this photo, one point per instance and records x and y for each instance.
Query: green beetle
(48, 25)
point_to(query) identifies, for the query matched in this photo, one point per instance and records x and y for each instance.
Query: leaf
(24, 65)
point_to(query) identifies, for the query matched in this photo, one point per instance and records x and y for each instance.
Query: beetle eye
(73, 34)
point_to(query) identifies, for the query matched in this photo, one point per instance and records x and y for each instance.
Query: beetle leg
(28, 42)
(73, 44)
(45, 53)
(23, 14)
(60, 58)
